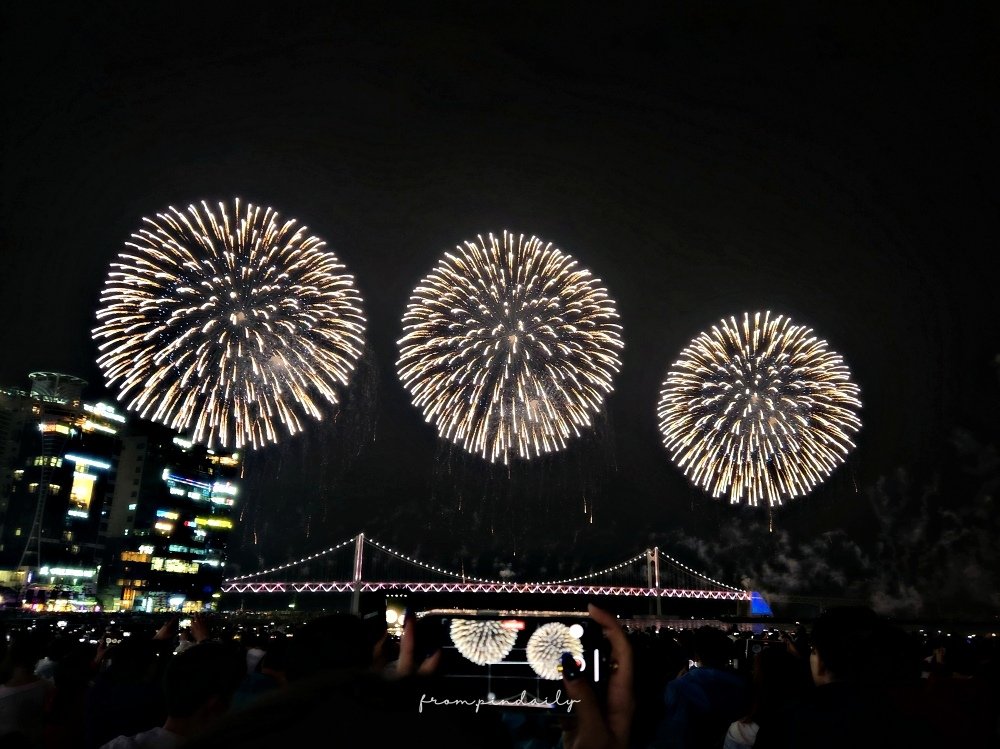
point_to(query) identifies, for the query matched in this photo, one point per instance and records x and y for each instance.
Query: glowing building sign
(85, 461)
(104, 411)
(165, 564)
(66, 572)
(214, 522)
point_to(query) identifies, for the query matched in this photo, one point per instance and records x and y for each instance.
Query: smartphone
(755, 646)
(395, 614)
(512, 659)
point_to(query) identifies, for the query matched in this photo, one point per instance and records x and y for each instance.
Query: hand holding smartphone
(513, 659)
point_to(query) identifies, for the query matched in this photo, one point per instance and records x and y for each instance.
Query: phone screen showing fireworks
(513, 659)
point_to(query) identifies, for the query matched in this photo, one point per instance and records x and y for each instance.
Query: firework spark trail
(509, 347)
(482, 642)
(228, 326)
(761, 410)
(546, 646)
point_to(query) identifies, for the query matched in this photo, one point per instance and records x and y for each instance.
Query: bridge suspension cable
(642, 574)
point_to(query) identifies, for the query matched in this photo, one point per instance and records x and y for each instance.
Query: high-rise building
(15, 412)
(170, 523)
(60, 456)
(94, 503)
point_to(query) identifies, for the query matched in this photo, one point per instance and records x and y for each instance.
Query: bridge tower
(359, 550)
(653, 575)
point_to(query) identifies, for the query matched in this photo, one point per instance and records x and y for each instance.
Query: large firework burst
(509, 347)
(482, 642)
(546, 646)
(761, 410)
(228, 325)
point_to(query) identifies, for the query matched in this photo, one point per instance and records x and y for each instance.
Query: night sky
(702, 159)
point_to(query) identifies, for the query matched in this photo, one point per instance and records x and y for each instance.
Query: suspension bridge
(363, 565)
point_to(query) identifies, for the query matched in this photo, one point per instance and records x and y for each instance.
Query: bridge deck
(369, 586)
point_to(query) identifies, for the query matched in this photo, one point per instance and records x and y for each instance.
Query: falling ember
(761, 410)
(509, 347)
(228, 327)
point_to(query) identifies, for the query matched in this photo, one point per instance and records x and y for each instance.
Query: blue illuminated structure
(759, 606)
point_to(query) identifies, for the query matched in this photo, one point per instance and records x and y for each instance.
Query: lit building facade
(15, 413)
(60, 455)
(170, 523)
(99, 510)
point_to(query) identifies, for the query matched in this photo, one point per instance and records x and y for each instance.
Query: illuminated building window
(17, 531)
(56, 428)
(82, 490)
(47, 461)
(133, 506)
(18, 474)
(164, 527)
(53, 488)
(134, 556)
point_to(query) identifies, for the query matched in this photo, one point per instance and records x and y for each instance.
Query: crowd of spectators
(851, 679)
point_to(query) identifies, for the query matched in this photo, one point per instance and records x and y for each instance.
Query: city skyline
(702, 162)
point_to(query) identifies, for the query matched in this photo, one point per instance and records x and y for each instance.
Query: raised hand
(593, 728)
(408, 664)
